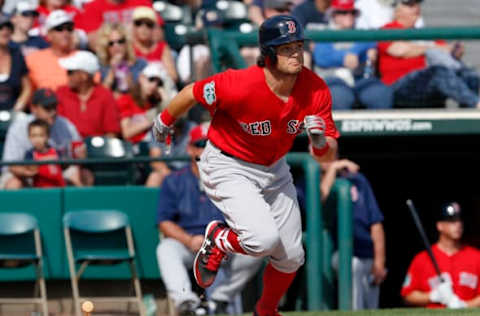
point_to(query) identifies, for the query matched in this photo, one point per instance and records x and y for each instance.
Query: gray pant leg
(174, 261)
(238, 270)
(281, 195)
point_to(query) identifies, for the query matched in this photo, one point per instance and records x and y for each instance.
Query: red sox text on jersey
(246, 112)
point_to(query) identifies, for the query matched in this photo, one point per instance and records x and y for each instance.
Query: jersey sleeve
(323, 108)
(413, 277)
(210, 92)
(124, 106)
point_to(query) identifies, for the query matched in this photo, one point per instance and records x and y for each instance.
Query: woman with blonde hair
(120, 67)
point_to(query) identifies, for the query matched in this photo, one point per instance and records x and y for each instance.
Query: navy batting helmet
(450, 211)
(278, 30)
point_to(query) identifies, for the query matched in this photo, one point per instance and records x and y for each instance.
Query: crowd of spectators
(111, 69)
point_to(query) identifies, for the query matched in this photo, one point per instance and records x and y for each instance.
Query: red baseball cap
(343, 5)
(198, 135)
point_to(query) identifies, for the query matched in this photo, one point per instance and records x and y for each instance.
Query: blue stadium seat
(100, 237)
(20, 246)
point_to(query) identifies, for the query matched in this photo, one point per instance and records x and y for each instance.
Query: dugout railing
(49, 205)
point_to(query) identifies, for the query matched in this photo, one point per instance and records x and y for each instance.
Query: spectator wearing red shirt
(146, 44)
(459, 266)
(97, 12)
(403, 65)
(89, 106)
(138, 109)
(49, 175)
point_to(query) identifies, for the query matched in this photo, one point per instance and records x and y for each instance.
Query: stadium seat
(107, 147)
(21, 246)
(100, 237)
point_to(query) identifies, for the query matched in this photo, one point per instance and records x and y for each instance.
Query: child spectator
(48, 175)
(119, 66)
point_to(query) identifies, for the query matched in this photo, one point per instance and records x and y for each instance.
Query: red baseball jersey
(250, 122)
(461, 268)
(48, 175)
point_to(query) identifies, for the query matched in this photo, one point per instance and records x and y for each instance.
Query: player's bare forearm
(378, 238)
(417, 298)
(182, 102)
(326, 184)
(331, 154)
(171, 230)
(474, 302)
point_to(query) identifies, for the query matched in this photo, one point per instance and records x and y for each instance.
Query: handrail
(90, 161)
(314, 228)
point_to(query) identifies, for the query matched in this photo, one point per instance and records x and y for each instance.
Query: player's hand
(349, 165)
(161, 130)
(315, 127)
(379, 273)
(196, 243)
(442, 293)
(456, 302)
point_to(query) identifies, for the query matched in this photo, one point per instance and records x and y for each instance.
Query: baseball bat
(426, 243)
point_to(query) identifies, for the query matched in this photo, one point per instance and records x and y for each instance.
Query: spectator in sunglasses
(260, 10)
(45, 7)
(23, 19)
(312, 14)
(97, 12)
(15, 87)
(44, 68)
(119, 66)
(147, 45)
(138, 109)
(88, 105)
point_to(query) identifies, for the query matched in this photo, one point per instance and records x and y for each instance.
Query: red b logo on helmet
(291, 27)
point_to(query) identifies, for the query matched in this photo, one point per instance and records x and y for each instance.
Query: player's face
(451, 229)
(39, 137)
(290, 58)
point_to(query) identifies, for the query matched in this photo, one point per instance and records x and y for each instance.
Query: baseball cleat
(208, 258)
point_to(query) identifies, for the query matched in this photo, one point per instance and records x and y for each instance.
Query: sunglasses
(345, 12)
(158, 81)
(70, 72)
(29, 14)
(282, 10)
(118, 42)
(147, 23)
(64, 27)
(200, 143)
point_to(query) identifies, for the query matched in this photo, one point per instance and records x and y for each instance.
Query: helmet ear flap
(269, 51)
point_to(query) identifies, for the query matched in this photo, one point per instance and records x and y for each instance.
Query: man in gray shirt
(62, 134)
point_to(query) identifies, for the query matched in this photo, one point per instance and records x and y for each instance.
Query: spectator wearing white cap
(147, 45)
(15, 87)
(45, 71)
(23, 19)
(45, 7)
(88, 105)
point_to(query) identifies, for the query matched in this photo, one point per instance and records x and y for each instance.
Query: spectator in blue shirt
(184, 211)
(349, 68)
(23, 19)
(312, 14)
(368, 262)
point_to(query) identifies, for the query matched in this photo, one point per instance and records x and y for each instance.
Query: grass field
(391, 312)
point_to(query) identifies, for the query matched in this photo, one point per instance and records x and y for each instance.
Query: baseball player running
(256, 114)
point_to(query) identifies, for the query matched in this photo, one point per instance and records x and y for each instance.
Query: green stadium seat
(20, 246)
(110, 173)
(5, 120)
(100, 237)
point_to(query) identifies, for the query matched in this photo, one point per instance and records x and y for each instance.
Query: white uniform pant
(175, 261)
(259, 203)
(365, 294)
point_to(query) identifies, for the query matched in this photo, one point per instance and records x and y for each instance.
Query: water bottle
(150, 305)
(368, 71)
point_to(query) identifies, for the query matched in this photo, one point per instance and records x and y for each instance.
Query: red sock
(275, 284)
(227, 240)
